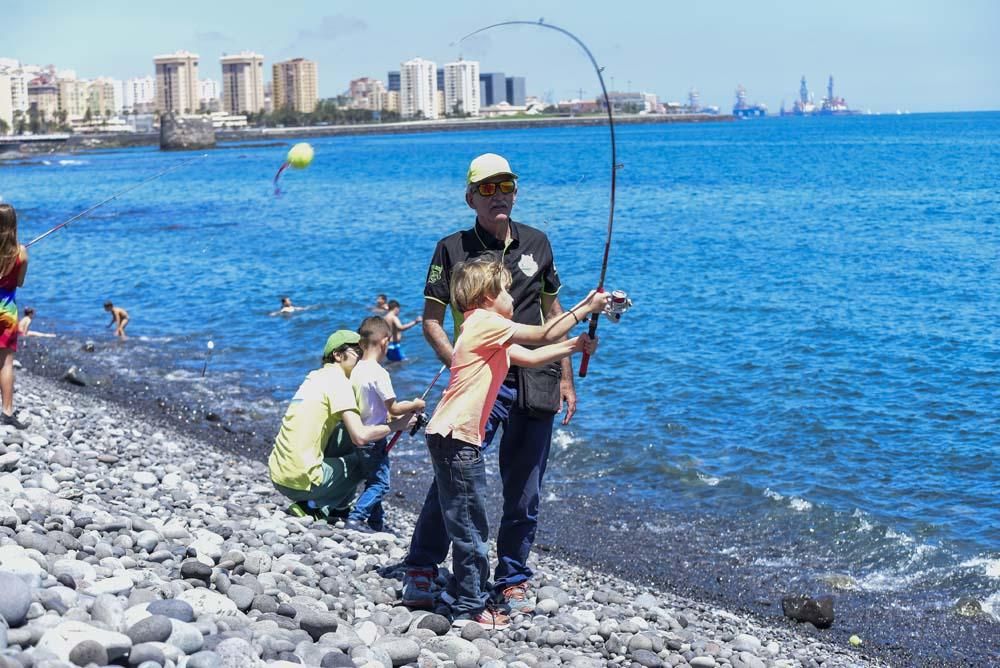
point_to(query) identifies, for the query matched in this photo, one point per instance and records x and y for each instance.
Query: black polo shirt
(528, 256)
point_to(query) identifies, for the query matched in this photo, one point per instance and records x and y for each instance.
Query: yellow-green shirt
(296, 460)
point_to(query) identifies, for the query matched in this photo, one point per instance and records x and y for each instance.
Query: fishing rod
(114, 197)
(594, 317)
(420, 418)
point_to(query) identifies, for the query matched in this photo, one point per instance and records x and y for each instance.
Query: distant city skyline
(917, 56)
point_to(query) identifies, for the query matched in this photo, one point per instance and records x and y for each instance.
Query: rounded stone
(336, 659)
(204, 659)
(241, 596)
(646, 658)
(192, 568)
(16, 600)
(147, 651)
(155, 628)
(87, 652)
(170, 607)
(439, 624)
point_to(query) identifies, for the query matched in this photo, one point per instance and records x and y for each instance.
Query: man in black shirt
(524, 447)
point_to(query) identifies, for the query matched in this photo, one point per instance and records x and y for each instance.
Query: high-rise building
(43, 97)
(296, 85)
(177, 83)
(440, 78)
(391, 101)
(19, 79)
(461, 88)
(417, 84)
(494, 88)
(104, 98)
(515, 91)
(74, 98)
(243, 83)
(393, 80)
(6, 102)
(139, 95)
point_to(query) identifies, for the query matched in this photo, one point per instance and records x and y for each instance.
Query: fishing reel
(617, 306)
(421, 421)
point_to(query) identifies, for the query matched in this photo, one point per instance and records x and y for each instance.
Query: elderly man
(524, 448)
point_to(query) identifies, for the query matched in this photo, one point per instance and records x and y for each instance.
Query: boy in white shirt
(377, 401)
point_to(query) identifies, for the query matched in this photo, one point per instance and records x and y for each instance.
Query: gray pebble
(155, 628)
(173, 608)
(143, 652)
(205, 659)
(87, 652)
(16, 599)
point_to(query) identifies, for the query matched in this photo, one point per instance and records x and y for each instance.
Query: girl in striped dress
(13, 267)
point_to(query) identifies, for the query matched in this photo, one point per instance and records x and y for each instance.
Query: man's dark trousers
(524, 453)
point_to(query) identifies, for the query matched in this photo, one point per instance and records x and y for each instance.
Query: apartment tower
(296, 85)
(177, 83)
(461, 88)
(417, 85)
(243, 83)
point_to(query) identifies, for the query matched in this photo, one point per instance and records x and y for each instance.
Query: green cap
(487, 165)
(340, 338)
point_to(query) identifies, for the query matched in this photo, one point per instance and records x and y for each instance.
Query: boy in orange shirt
(483, 353)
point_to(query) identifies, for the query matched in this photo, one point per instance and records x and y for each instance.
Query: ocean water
(813, 347)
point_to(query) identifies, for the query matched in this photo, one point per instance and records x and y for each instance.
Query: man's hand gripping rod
(421, 418)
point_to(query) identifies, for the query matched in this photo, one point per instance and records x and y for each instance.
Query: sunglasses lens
(487, 189)
(506, 187)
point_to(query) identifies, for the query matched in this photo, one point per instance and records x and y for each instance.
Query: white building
(208, 90)
(243, 83)
(139, 95)
(461, 88)
(19, 88)
(417, 85)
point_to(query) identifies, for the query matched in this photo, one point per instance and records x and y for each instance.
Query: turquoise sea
(813, 358)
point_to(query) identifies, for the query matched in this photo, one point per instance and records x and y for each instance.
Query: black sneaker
(12, 421)
(355, 525)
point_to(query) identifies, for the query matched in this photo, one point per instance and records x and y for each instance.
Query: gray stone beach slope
(130, 544)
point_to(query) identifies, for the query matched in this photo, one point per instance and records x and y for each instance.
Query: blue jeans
(524, 453)
(375, 463)
(460, 477)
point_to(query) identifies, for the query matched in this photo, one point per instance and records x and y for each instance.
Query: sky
(914, 55)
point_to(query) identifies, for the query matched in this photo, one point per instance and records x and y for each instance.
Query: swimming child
(13, 268)
(395, 352)
(380, 306)
(287, 307)
(24, 324)
(119, 318)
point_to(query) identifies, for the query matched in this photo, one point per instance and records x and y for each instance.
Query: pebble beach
(130, 543)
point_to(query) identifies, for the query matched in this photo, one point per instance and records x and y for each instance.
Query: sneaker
(489, 618)
(12, 421)
(518, 598)
(356, 525)
(417, 588)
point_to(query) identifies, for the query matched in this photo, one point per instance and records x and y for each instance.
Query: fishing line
(594, 317)
(114, 197)
(419, 422)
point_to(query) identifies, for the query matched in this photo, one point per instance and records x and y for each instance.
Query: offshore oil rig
(830, 105)
(743, 109)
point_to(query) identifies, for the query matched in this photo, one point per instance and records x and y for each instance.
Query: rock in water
(816, 611)
(75, 376)
(186, 133)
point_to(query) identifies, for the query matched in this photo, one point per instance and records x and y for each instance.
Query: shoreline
(132, 489)
(672, 560)
(11, 149)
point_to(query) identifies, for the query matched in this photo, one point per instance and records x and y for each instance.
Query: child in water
(13, 268)
(119, 318)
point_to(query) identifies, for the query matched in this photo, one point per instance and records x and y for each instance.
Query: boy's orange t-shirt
(479, 365)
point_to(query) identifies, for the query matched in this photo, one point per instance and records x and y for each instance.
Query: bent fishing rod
(420, 418)
(114, 197)
(594, 317)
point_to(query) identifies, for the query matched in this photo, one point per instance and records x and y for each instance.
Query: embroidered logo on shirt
(527, 265)
(434, 275)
